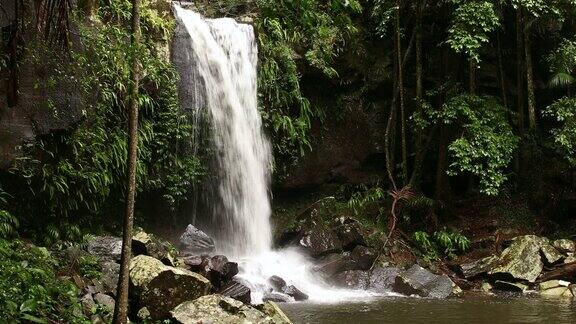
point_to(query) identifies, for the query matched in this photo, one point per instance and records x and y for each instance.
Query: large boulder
(382, 279)
(160, 288)
(521, 260)
(352, 279)
(220, 309)
(107, 248)
(237, 290)
(220, 271)
(335, 263)
(195, 242)
(349, 233)
(148, 244)
(364, 257)
(320, 241)
(478, 267)
(419, 281)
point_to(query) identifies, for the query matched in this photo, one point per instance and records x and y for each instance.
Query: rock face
(350, 235)
(419, 281)
(105, 247)
(195, 242)
(148, 244)
(160, 288)
(220, 309)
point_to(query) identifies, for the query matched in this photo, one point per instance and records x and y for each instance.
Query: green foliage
(486, 143)
(82, 172)
(361, 199)
(31, 291)
(472, 23)
(88, 267)
(292, 33)
(564, 112)
(444, 242)
(562, 64)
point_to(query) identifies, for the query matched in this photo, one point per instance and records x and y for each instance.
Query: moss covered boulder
(220, 309)
(160, 288)
(524, 258)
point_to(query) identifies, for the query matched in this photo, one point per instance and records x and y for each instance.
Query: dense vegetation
(474, 98)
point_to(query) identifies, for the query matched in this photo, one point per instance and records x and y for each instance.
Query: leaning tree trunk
(530, 81)
(401, 95)
(121, 309)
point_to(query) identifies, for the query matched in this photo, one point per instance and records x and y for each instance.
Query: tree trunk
(121, 309)
(401, 95)
(472, 75)
(501, 72)
(520, 70)
(419, 69)
(530, 81)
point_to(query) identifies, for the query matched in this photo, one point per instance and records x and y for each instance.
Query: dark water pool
(414, 310)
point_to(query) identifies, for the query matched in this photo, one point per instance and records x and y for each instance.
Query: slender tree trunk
(401, 95)
(121, 309)
(520, 69)
(420, 150)
(419, 69)
(472, 75)
(501, 72)
(530, 81)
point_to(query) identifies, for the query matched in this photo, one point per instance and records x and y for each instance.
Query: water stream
(219, 58)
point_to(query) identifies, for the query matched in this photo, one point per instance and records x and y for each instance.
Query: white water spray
(222, 57)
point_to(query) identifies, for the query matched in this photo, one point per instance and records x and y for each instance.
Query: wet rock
(521, 259)
(510, 286)
(277, 297)
(147, 244)
(350, 235)
(105, 301)
(352, 279)
(552, 284)
(274, 312)
(570, 259)
(220, 270)
(277, 283)
(486, 287)
(105, 247)
(335, 263)
(220, 309)
(419, 281)
(363, 257)
(382, 279)
(236, 290)
(320, 241)
(160, 288)
(295, 293)
(477, 267)
(195, 242)
(557, 292)
(196, 263)
(565, 246)
(143, 314)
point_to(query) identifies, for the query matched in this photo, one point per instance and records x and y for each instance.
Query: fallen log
(565, 272)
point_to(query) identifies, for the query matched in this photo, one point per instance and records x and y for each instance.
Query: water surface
(416, 310)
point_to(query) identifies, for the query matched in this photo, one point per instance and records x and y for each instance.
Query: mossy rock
(160, 288)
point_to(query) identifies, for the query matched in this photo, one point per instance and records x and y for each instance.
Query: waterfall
(223, 54)
(217, 60)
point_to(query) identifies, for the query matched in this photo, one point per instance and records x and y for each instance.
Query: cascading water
(217, 59)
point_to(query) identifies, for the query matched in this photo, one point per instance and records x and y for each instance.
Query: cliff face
(34, 101)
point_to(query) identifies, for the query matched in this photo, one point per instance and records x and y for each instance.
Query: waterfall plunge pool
(469, 310)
